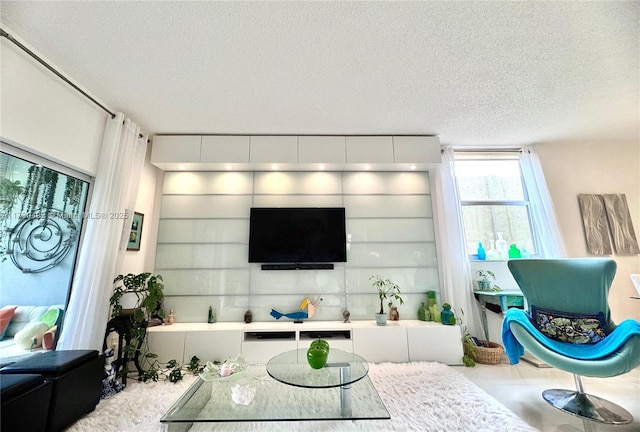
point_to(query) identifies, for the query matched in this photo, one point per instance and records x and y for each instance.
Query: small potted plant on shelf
(387, 291)
(485, 278)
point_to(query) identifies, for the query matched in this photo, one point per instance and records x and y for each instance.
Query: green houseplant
(147, 290)
(387, 291)
(484, 279)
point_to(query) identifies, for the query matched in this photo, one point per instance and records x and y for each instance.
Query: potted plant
(485, 278)
(387, 291)
(148, 307)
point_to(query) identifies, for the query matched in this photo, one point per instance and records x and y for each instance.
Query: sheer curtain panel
(542, 212)
(455, 274)
(121, 159)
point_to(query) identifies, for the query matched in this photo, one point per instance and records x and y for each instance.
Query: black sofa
(74, 379)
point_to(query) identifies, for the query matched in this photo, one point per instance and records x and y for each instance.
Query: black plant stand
(124, 326)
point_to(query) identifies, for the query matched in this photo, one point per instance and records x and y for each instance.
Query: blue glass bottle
(482, 254)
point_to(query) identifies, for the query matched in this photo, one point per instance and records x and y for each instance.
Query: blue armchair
(568, 325)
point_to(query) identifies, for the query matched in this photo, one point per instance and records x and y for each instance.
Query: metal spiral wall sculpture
(43, 235)
(37, 244)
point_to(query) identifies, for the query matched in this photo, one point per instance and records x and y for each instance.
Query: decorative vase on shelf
(248, 317)
(422, 312)
(492, 253)
(446, 316)
(381, 319)
(502, 247)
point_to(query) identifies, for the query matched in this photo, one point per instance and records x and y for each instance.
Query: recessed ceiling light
(413, 167)
(228, 167)
(274, 166)
(181, 167)
(321, 167)
(367, 167)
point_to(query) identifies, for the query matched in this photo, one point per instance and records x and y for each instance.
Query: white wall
(142, 261)
(42, 114)
(596, 168)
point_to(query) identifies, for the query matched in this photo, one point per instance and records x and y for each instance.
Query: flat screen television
(297, 235)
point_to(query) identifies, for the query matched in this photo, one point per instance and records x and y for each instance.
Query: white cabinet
(274, 149)
(176, 148)
(369, 149)
(212, 345)
(225, 149)
(435, 343)
(381, 343)
(398, 341)
(416, 149)
(321, 149)
(167, 345)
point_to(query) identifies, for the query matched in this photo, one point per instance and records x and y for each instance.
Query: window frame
(493, 155)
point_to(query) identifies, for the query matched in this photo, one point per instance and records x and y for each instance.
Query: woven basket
(489, 353)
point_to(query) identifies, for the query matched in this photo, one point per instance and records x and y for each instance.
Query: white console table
(398, 341)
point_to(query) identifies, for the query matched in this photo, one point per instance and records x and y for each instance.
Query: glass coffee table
(286, 389)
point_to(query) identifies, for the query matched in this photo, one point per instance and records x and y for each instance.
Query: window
(495, 206)
(41, 216)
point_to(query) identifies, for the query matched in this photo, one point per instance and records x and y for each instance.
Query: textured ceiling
(473, 73)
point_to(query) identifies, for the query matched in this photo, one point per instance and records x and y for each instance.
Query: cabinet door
(167, 345)
(225, 149)
(416, 149)
(381, 344)
(439, 343)
(321, 149)
(369, 149)
(260, 352)
(274, 149)
(212, 345)
(175, 149)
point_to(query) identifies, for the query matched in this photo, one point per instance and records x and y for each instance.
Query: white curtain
(455, 276)
(104, 242)
(542, 213)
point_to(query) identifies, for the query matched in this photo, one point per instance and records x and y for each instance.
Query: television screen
(297, 235)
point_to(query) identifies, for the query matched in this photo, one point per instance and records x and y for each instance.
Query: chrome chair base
(587, 406)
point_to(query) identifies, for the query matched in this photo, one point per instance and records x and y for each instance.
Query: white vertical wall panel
(196, 308)
(392, 183)
(203, 242)
(416, 149)
(307, 282)
(321, 149)
(297, 201)
(198, 183)
(392, 206)
(206, 281)
(369, 149)
(270, 149)
(180, 256)
(391, 255)
(203, 231)
(390, 229)
(225, 148)
(176, 148)
(410, 280)
(205, 206)
(298, 183)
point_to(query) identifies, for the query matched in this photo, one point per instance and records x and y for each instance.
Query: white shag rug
(419, 396)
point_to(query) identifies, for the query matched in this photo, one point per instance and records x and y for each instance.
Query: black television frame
(274, 262)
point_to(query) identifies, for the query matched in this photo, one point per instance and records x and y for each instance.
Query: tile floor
(519, 387)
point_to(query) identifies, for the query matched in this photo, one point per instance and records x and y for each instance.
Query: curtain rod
(62, 77)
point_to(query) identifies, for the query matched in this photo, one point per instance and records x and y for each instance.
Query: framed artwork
(136, 232)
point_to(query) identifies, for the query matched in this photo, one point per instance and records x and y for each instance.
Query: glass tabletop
(342, 368)
(212, 401)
